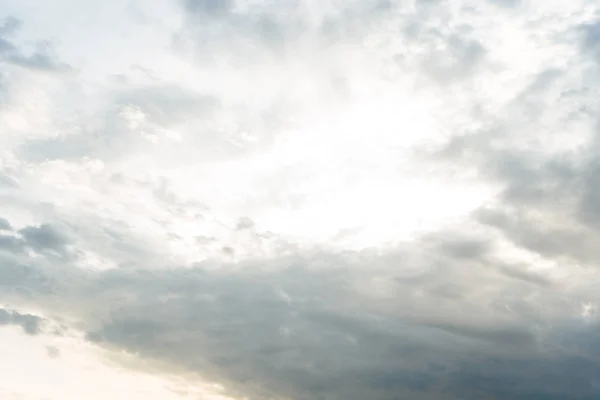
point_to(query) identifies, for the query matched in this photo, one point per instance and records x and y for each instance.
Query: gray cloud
(240, 33)
(311, 343)
(210, 8)
(44, 237)
(53, 352)
(245, 223)
(548, 202)
(10, 26)
(506, 3)
(41, 59)
(11, 243)
(31, 324)
(591, 38)
(5, 225)
(563, 191)
(520, 272)
(447, 58)
(297, 326)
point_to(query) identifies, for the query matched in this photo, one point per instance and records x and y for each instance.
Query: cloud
(10, 26)
(321, 325)
(53, 352)
(547, 201)
(37, 238)
(5, 225)
(591, 37)
(506, 3)
(367, 200)
(31, 324)
(43, 237)
(234, 31)
(42, 58)
(210, 8)
(11, 243)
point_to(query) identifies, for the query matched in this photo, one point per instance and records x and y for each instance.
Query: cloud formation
(308, 200)
(29, 323)
(40, 59)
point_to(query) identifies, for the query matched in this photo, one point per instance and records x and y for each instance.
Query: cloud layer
(307, 200)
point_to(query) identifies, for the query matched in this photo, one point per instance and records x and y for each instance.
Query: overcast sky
(299, 199)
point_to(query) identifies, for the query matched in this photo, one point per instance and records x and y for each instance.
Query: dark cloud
(591, 38)
(517, 336)
(549, 240)
(521, 272)
(239, 329)
(5, 225)
(17, 247)
(44, 237)
(261, 345)
(506, 3)
(10, 26)
(211, 8)
(548, 203)
(459, 59)
(31, 324)
(456, 246)
(11, 243)
(7, 49)
(296, 326)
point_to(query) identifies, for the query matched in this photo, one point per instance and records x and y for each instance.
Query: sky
(299, 199)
